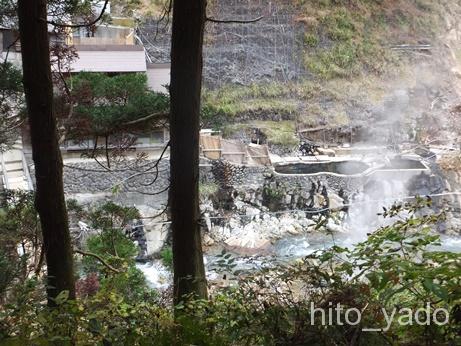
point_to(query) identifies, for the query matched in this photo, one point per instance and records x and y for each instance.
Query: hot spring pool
(338, 167)
(348, 167)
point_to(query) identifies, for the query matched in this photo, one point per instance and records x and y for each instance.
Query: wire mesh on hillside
(267, 50)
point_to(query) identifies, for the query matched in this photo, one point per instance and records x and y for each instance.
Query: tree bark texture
(185, 91)
(49, 198)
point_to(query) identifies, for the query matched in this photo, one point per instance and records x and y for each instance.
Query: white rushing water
(157, 275)
(160, 277)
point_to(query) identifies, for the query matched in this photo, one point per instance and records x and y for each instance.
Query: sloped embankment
(334, 63)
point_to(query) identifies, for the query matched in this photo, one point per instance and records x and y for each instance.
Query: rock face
(266, 207)
(125, 178)
(254, 207)
(256, 215)
(257, 231)
(253, 226)
(155, 229)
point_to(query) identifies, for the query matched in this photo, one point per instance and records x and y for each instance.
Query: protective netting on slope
(267, 50)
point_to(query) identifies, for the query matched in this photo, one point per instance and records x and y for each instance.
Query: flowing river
(362, 218)
(285, 250)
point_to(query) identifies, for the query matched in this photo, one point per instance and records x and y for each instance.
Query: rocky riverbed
(262, 217)
(248, 209)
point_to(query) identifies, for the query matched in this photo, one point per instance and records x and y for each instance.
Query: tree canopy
(107, 105)
(11, 102)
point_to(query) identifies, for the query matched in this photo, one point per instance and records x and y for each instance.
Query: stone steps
(13, 168)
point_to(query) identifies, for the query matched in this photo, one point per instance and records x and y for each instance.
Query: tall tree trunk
(185, 91)
(49, 198)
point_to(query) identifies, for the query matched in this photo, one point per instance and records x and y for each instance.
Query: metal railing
(26, 171)
(4, 173)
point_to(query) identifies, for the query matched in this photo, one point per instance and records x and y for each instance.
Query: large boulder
(156, 229)
(249, 238)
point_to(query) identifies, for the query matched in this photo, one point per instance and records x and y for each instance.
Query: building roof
(109, 58)
(110, 47)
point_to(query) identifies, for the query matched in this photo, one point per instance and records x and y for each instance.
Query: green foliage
(339, 26)
(19, 224)
(10, 79)
(232, 101)
(11, 103)
(112, 216)
(280, 133)
(111, 243)
(75, 208)
(106, 318)
(18, 216)
(167, 257)
(399, 266)
(117, 250)
(107, 105)
(338, 62)
(113, 246)
(273, 196)
(130, 285)
(7, 12)
(7, 271)
(207, 189)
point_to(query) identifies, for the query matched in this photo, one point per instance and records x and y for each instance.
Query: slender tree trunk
(107, 151)
(185, 90)
(49, 198)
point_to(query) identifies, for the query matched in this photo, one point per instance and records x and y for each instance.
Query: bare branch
(151, 193)
(167, 10)
(150, 116)
(163, 211)
(131, 167)
(154, 179)
(234, 21)
(148, 169)
(82, 25)
(108, 169)
(99, 258)
(8, 49)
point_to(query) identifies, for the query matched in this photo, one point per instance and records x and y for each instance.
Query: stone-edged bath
(351, 167)
(407, 166)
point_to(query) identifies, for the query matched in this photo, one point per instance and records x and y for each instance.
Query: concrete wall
(105, 35)
(158, 75)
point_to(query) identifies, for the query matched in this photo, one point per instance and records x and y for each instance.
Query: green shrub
(167, 257)
(207, 189)
(400, 266)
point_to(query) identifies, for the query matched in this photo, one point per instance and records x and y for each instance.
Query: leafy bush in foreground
(399, 268)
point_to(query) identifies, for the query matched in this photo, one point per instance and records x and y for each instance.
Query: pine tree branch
(82, 25)
(99, 258)
(150, 116)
